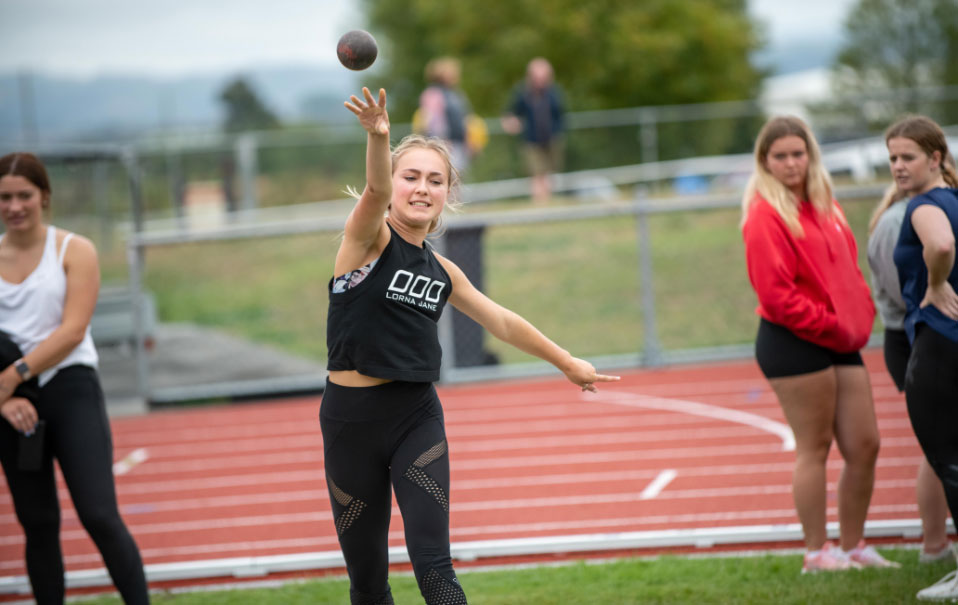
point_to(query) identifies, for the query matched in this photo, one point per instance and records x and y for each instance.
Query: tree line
(609, 54)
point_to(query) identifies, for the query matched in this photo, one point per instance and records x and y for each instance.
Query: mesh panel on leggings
(354, 507)
(423, 480)
(417, 475)
(437, 590)
(338, 494)
(431, 455)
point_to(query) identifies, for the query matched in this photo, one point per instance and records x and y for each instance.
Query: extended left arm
(513, 329)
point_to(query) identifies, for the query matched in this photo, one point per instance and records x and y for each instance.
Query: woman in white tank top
(49, 283)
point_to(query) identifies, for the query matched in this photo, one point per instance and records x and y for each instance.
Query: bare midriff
(352, 378)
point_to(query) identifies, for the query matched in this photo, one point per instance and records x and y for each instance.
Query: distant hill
(117, 107)
(799, 55)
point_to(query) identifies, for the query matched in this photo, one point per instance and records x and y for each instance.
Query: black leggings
(78, 436)
(897, 350)
(931, 391)
(373, 438)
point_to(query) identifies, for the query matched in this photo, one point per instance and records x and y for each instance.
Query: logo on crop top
(417, 290)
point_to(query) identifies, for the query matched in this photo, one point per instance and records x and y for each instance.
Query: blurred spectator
(444, 112)
(537, 110)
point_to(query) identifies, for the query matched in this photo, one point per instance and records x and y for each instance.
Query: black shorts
(780, 353)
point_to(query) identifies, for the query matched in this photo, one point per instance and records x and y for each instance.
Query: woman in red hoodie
(816, 314)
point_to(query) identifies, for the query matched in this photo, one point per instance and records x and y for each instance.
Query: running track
(537, 466)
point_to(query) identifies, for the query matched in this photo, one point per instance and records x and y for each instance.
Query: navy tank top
(387, 325)
(912, 271)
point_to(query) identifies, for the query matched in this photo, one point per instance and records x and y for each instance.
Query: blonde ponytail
(948, 171)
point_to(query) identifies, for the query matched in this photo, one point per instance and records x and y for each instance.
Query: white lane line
(132, 459)
(132, 511)
(699, 409)
(170, 488)
(195, 551)
(632, 429)
(243, 463)
(658, 484)
(584, 435)
(263, 565)
(396, 533)
(268, 443)
(515, 504)
(636, 435)
(678, 521)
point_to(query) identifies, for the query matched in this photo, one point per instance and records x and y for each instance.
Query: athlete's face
(21, 203)
(787, 161)
(420, 185)
(914, 170)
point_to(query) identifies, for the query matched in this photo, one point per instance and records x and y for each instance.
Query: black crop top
(387, 325)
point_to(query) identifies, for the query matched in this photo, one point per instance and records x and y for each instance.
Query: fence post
(176, 179)
(651, 348)
(447, 338)
(101, 201)
(134, 255)
(649, 134)
(246, 162)
(463, 246)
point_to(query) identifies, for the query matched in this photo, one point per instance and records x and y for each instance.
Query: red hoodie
(810, 284)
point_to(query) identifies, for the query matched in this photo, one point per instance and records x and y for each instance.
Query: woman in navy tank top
(381, 420)
(919, 160)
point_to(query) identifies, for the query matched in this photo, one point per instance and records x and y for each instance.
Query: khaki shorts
(542, 160)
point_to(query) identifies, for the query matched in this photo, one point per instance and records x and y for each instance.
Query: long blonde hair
(928, 135)
(418, 141)
(818, 184)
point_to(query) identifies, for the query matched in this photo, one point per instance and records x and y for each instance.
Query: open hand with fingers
(943, 298)
(582, 373)
(371, 112)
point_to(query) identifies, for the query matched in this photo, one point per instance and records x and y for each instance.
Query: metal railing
(647, 352)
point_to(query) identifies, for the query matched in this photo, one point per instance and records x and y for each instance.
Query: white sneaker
(945, 589)
(867, 556)
(828, 558)
(945, 553)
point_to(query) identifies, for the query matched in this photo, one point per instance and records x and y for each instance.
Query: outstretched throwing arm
(365, 228)
(512, 328)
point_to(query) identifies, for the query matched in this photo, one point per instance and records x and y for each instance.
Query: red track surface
(529, 459)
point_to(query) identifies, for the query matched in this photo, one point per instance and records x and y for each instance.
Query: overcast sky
(806, 20)
(177, 37)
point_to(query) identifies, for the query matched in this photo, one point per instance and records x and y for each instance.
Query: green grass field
(739, 580)
(576, 281)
